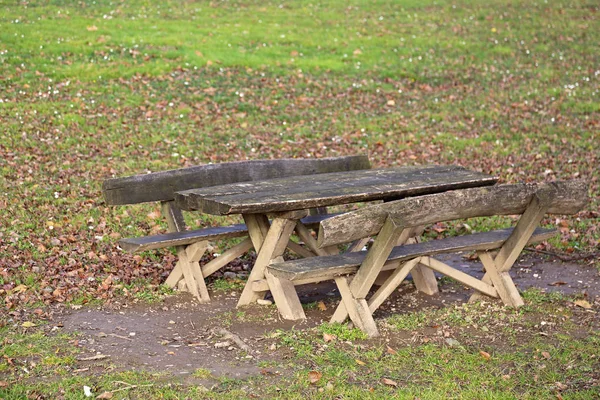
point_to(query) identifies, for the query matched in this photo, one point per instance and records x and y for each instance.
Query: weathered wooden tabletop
(304, 192)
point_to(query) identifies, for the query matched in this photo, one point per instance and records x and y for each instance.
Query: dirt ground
(177, 335)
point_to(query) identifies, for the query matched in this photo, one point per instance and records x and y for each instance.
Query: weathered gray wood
(569, 197)
(174, 216)
(272, 247)
(391, 283)
(303, 192)
(459, 276)
(160, 186)
(375, 259)
(138, 244)
(513, 246)
(286, 298)
(357, 308)
(322, 268)
(228, 256)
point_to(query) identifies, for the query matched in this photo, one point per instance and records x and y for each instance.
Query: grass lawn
(95, 89)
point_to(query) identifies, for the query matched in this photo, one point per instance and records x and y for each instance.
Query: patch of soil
(178, 335)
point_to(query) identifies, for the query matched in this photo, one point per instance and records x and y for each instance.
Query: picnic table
(272, 209)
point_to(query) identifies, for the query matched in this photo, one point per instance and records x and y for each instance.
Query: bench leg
(358, 309)
(391, 233)
(286, 298)
(424, 279)
(388, 287)
(513, 246)
(188, 264)
(273, 246)
(507, 291)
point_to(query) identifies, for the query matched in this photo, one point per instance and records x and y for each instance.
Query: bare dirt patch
(178, 336)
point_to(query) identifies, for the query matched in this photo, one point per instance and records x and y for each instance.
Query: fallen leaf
(321, 306)
(3, 384)
(105, 395)
(583, 304)
(360, 362)
(391, 351)
(485, 355)
(545, 354)
(327, 337)
(28, 324)
(314, 376)
(389, 382)
(357, 52)
(92, 28)
(557, 283)
(391, 103)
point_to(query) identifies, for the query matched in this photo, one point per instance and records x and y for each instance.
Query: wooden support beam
(272, 247)
(502, 281)
(226, 257)
(286, 298)
(459, 276)
(521, 234)
(358, 309)
(391, 284)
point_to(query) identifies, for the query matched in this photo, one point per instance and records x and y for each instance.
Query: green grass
(94, 89)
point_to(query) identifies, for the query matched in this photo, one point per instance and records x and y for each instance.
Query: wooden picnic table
(285, 201)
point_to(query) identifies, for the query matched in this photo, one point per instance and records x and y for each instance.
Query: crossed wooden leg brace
(495, 283)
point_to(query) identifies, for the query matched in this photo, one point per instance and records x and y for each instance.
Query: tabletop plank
(302, 192)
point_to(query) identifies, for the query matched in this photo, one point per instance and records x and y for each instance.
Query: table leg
(273, 245)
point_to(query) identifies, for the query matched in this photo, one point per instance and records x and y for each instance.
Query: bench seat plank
(138, 244)
(302, 192)
(327, 267)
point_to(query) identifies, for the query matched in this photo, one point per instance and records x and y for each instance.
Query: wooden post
(273, 245)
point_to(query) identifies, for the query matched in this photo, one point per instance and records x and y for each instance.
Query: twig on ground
(228, 335)
(120, 337)
(562, 257)
(129, 386)
(92, 358)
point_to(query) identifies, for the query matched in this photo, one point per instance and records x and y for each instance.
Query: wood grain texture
(322, 268)
(303, 192)
(160, 186)
(138, 244)
(569, 197)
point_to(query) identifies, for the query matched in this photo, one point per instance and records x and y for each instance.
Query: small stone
(264, 302)
(452, 342)
(229, 275)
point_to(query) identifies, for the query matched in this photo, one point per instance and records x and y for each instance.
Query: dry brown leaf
(485, 355)
(583, 304)
(3, 384)
(327, 337)
(105, 395)
(545, 354)
(360, 362)
(391, 351)
(314, 376)
(321, 306)
(557, 283)
(389, 382)
(92, 28)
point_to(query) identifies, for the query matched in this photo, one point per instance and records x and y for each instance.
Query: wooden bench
(396, 222)
(191, 244)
